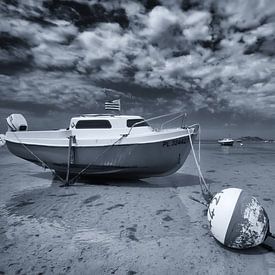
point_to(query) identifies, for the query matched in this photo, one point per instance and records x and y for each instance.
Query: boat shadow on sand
(172, 181)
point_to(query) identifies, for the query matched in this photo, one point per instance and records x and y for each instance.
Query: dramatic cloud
(203, 56)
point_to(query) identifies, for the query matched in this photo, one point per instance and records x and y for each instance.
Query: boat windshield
(131, 122)
(93, 124)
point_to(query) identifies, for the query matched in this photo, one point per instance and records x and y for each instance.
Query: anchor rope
(205, 188)
(53, 172)
(91, 163)
(40, 160)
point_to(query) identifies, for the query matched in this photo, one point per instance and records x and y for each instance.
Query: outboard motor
(17, 122)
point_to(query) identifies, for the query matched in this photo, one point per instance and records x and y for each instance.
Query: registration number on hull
(174, 142)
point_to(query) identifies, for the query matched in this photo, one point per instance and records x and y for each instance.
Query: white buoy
(237, 220)
(2, 140)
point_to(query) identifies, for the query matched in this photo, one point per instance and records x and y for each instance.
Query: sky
(212, 59)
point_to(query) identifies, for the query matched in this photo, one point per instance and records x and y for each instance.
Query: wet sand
(129, 227)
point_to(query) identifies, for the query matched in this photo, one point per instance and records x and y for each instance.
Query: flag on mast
(113, 105)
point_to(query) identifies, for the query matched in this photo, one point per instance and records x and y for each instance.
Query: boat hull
(226, 143)
(122, 160)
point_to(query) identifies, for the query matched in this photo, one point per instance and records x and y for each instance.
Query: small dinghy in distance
(226, 142)
(103, 145)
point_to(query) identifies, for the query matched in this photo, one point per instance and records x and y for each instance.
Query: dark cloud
(264, 45)
(15, 53)
(84, 15)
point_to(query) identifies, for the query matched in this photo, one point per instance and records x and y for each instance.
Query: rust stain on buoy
(251, 225)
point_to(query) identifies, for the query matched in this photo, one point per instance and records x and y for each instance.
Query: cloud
(207, 55)
(196, 25)
(159, 21)
(50, 89)
(246, 14)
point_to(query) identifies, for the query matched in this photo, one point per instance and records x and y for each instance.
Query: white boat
(103, 145)
(226, 142)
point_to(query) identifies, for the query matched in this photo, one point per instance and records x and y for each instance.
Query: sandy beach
(80, 77)
(149, 226)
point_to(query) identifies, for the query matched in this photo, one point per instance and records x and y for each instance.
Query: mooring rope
(91, 163)
(40, 160)
(205, 188)
(53, 172)
(199, 144)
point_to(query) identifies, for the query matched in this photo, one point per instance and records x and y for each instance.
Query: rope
(41, 161)
(53, 172)
(199, 144)
(196, 200)
(91, 163)
(204, 187)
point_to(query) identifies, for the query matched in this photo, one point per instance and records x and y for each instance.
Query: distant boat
(103, 145)
(226, 142)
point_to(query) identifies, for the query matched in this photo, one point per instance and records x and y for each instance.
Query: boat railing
(195, 126)
(177, 116)
(181, 115)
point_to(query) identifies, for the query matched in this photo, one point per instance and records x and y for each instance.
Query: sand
(129, 227)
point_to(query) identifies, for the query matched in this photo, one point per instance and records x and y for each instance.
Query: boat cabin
(95, 121)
